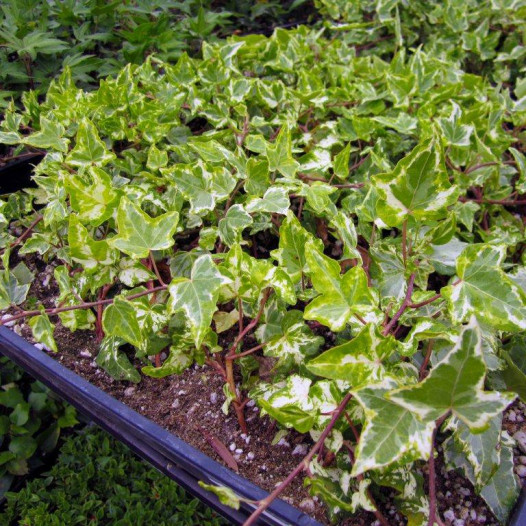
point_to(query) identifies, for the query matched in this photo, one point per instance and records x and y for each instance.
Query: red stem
(303, 465)
(25, 234)
(405, 304)
(87, 305)
(434, 518)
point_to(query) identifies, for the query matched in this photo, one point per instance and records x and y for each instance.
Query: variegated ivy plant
(356, 220)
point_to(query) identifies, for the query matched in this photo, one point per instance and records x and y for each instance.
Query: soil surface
(191, 402)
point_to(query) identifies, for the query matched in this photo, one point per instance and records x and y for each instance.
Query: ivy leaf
(485, 290)
(96, 202)
(115, 362)
(358, 361)
(274, 201)
(225, 495)
(418, 187)
(340, 296)
(233, 224)
(279, 154)
(481, 450)
(132, 272)
(456, 384)
(292, 241)
(514, 374)
(412, 499)
(86, 251)
(503, 489)
(138, 233)
(197, 296)
(51, 135)
(202, 187)
(89, 150)
(391, 433)
(346, 230)
(295, 343)
(42, 330)
(176, 363)
(289, 404)
(156, 158)
(341, 163)
(388, 271)
(120, 320)
(456, 134)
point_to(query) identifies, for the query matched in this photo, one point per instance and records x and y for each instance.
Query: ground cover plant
(97, 480)
(331, 219)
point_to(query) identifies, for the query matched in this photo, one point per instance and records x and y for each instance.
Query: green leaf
(51, 135)
(456, 384)
(514, 374)
(388, 271)
(292, 241)
(233, 224)
(197, 296)
(358, 361)
(290, 404)
(86, 251)
(11, 291)
(225, 495)
(391, 432)
(115, 362)
(279, 154)
(418, 187)
(341, 163)
(295, 343)
(139, 233)
(42, 330)
(346, 230)
(503, 489)
(482, 450)
(340, 297)
(89, 150)
(274, 201)
(176, 363)
(456, 134)
(120, 321)
(96, 202)
(202, 187)
(23, 446)
(156, 158)
(485, 290)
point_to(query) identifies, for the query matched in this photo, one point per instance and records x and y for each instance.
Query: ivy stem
(434, 518)
(426, 302)
(422, 373)
(245, 353)
(470, 169)
(87, 305)
(503, 202)
(100, 308)
(302, 466)
(403, 307)
(352, 426)
(26, 233)
(156, 270)
(229, 362)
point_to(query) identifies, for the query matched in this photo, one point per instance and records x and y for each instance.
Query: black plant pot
(176, 459)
